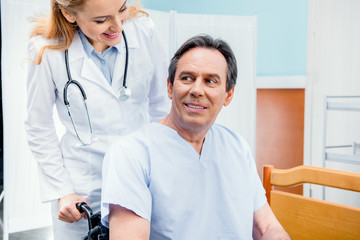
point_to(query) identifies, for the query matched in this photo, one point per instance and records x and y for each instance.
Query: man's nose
(197, 88)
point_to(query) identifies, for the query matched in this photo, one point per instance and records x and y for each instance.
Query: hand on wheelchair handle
(67, 210)
(83, 207)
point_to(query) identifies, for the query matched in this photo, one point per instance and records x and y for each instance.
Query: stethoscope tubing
(126, 59)
(71, 81)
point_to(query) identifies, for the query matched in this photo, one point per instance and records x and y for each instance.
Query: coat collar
(76, 50)
(133, 43)
(90, 71)
(130, 32)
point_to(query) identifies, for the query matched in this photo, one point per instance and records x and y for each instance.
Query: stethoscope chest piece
(125, 93)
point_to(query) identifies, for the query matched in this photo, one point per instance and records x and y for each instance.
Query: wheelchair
(97, 231)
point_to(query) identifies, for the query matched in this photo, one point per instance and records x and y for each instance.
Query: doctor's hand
(67, 210)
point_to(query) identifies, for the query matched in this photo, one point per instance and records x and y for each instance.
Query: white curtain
(333, 70)
(23, 209)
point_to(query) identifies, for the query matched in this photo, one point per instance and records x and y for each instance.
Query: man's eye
(212, 81)
(186, 78)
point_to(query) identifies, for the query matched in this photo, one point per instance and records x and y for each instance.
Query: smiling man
(185, 177)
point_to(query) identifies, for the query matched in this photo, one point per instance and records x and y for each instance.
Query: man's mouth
(194, 106)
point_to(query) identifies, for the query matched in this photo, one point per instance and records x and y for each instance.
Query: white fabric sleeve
(159, 102)
(260, 197)
(125, 181)
(41, 134)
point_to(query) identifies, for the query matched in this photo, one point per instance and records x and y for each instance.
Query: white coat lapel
(120, 59)
(92, 73)
(85, 68)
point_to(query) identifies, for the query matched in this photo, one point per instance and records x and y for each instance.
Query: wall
(282, 29)
(280, 129)
(22, 206)
(333, 69)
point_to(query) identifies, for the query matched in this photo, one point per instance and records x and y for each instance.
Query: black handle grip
(80, 206)
(83, 207)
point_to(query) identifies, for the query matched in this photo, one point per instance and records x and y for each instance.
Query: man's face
(199, 89)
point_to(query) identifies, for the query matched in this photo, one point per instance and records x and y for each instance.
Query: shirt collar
(89, 48)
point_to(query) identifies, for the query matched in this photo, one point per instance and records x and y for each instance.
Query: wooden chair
(306, 218)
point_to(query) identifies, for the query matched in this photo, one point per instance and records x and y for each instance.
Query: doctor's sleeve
(125, 180)
(41, 133)
(159, 103)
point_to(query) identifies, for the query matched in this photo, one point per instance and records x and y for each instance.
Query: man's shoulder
(140, 137)
(140, 144)
(221, 130)
(228, 136)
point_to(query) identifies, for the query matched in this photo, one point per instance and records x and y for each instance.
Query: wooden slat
(266, 180)
(308, 219)
(316, 175)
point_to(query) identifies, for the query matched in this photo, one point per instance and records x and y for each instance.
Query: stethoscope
(125, 92)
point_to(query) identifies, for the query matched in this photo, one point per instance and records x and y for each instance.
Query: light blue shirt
(104, 61)
(158, 175)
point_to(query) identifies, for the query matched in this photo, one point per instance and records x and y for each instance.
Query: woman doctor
(91, 32)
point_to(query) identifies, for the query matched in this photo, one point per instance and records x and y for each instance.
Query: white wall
(22, 207)
(333, 69)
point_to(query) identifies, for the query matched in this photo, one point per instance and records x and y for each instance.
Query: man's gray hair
(206, 41)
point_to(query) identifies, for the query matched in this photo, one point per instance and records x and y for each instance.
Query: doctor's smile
(111, 35)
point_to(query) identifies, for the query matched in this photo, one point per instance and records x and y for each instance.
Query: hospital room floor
(37, 234)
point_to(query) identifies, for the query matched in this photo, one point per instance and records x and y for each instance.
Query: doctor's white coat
(65, 166)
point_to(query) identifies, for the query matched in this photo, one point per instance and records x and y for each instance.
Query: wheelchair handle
(83, 207)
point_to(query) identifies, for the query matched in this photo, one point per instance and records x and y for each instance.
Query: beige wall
(280, 128)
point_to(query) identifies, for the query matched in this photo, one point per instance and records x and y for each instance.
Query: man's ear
(229, 96)
(169, 89)
(70, 17)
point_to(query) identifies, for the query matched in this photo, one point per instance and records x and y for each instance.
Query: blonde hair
(56, 27)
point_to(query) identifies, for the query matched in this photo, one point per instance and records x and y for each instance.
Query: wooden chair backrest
(306, 218)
